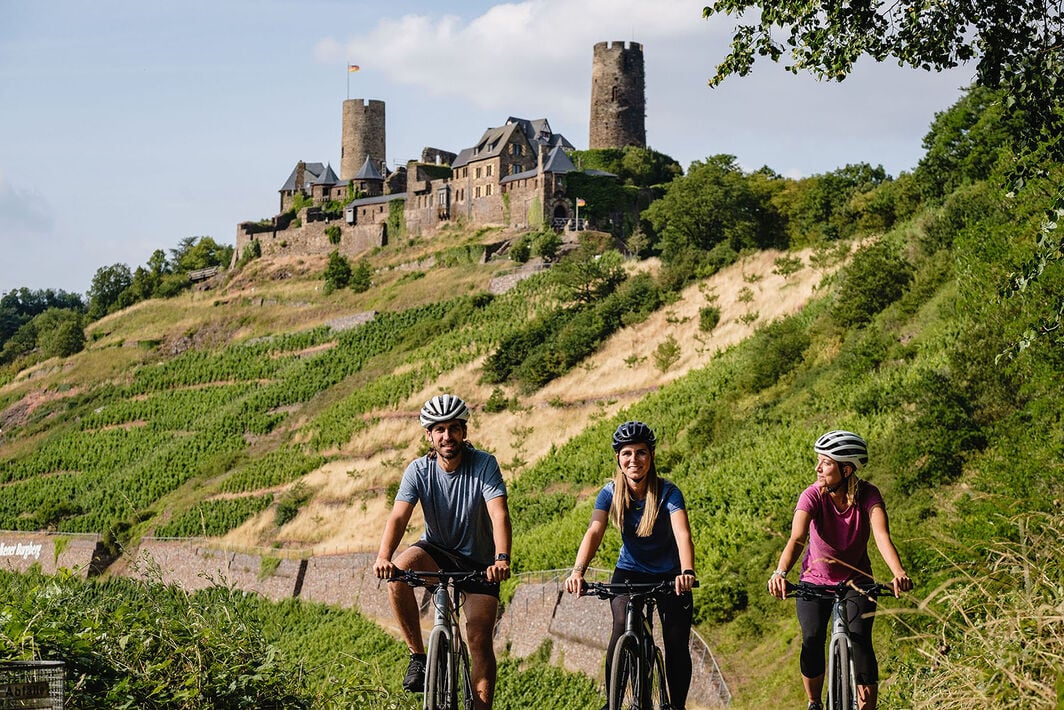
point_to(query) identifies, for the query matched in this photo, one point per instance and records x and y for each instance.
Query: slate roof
(327, 177)
(368, 171)
(556, 162)
(312, 171)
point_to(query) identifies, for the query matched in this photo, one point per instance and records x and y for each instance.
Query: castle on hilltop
(514, 175)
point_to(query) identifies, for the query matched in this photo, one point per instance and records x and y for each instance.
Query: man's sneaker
(815, 705)
(414, 680)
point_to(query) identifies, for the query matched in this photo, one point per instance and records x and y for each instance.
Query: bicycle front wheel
(440, 690)
(842, 693)
(465, 681)
(626, 675)
(657, 695)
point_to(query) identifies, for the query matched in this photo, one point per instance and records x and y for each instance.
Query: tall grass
(993, 634)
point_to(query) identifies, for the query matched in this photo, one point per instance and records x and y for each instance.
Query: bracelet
(579, 569)
(688, 571)
(779, 573)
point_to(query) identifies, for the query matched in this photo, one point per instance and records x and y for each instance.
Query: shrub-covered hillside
(268, 412)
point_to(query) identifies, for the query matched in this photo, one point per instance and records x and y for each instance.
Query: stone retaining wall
(50, 552)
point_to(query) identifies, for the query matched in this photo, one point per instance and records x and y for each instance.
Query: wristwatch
(502, 557)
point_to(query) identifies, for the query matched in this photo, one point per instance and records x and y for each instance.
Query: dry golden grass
(348, 507)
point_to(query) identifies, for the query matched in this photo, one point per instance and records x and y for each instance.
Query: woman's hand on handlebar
(685, 581)
(777, 586)
(901, 583)
(574, 583)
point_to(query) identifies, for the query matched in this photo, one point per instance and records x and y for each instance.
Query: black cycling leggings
(814, 616)
(674, 613)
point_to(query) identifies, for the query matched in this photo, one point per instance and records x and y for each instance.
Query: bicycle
(637, 674)
(448, 685)
(841, 678)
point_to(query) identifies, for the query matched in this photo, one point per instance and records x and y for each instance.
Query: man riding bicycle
(837, 514)
(467, 527)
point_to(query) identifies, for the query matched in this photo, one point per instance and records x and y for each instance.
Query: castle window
(478, 172)
(487, 189)
(490, 169)
(476, 191)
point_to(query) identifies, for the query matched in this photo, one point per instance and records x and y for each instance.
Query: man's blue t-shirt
(657, 553)
(455, 504)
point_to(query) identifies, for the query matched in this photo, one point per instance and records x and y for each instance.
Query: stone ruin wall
(310, 238)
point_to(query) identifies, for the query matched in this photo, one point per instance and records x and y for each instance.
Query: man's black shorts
(451, 561)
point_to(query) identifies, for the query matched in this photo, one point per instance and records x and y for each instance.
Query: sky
(128, 126)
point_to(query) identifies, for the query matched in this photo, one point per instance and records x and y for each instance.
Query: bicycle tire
(439, 689)
(842, 694)
(657, 694)
(465, 680)
(626, 674)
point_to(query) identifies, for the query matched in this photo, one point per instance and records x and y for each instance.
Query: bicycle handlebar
(419, 578)
(609, 590)
(812, 592)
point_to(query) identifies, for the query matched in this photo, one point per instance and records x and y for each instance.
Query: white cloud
(22, 211)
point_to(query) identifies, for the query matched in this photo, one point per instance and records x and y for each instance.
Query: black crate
(31, 684)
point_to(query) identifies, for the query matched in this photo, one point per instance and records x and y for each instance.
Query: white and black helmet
(843, 447)
(443, 408)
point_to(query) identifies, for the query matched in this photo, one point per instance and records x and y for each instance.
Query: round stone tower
(618, 96)
(363, 136)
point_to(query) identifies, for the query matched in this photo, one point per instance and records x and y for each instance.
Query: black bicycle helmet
(633, 433)
(443, 408)
(843, 447)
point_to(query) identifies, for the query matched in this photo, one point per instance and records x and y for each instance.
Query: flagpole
(347, 70)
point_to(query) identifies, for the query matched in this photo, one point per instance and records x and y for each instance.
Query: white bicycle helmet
(843, 447)
(443, 408)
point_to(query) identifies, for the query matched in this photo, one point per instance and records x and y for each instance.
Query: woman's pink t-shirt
(838, 541)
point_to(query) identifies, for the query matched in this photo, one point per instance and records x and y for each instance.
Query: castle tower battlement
(618, 96)
(363, 136)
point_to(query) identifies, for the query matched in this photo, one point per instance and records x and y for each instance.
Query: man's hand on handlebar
(384, 569)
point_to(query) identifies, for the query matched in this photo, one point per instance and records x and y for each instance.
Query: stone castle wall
(618, 96)
(310, 238)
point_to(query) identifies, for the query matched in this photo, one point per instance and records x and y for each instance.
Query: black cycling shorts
(449, 561)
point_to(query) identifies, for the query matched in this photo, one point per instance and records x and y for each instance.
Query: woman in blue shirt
(654, 548)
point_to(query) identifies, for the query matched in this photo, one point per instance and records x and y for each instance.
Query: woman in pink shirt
(836, 516)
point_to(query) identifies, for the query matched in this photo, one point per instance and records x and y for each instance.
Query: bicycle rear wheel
(440, 693)
(657, 695)
(842, 693)
(626, 675)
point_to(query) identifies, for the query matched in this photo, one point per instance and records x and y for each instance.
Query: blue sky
(127, 126)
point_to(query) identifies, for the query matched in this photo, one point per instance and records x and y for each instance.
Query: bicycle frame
(453, 688)
(638, 632)
(841, 676)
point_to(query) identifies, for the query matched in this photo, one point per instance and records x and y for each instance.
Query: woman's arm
(596, 529)
(777, 583)
(681, 530)
(877, 517)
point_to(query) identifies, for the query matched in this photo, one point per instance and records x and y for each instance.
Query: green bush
(776, 349)
(708, 318)
(877, 276)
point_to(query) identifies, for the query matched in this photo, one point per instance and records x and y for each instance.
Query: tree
(107, 286)
(337, 272)
(1018, 47)
(362, 277)
(586, 276)
(713, 204)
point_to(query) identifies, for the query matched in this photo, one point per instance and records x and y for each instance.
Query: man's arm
(393, 534)
(502, 532)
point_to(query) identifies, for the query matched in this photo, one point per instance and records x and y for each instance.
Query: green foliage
(362, 277)
(779, 348)
(214, 518)
(498, 401)
(641, 167)
(666, 354)
(337, 273)
(252, 251)
(877, 276)
(126, 644)
(107, 286)
(396, 222)
(332, 232)
(715, 203)
(290, 502)
(708, 318)
(585, 276)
